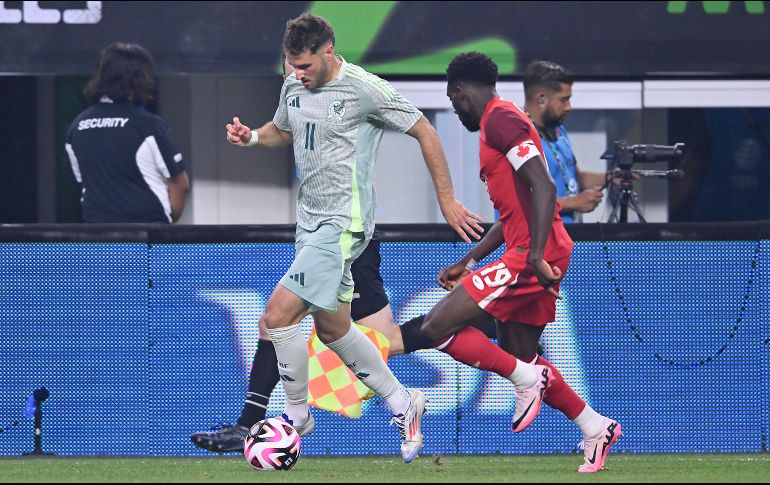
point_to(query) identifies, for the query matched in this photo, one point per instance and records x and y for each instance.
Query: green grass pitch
(426, 469)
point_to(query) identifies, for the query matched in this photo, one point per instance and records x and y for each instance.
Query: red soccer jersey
(508, 139)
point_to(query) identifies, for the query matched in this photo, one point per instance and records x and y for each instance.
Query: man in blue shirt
(548, 89)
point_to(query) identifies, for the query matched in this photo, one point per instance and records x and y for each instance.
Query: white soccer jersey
(337, 130)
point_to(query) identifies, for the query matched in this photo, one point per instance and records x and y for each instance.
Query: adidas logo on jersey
(294, 102)
(299, 278)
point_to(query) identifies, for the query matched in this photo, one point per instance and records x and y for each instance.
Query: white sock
(399, 401)
(297, 413)
(291, 351)
(524, 375)
(363, 359)
(590, 422)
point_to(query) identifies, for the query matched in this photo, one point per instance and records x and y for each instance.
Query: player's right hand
(547, 276)
(238, 134)
(462, 220)
(450, 276)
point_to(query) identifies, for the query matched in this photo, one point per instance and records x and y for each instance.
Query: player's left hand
(450, 276)
(463, 221)
(547, 276)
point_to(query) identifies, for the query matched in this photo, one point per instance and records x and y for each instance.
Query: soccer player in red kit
(520, 289)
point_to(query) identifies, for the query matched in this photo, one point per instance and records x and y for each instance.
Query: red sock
(560, 396)
(472, 347)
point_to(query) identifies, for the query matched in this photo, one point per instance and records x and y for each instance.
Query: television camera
(622, 157)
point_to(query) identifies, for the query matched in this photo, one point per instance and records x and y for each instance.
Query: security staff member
(122, 154)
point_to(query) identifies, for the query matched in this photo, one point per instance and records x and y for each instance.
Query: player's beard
(469, 123)
(320, 79)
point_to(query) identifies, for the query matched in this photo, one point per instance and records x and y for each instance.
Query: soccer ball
(272, 444)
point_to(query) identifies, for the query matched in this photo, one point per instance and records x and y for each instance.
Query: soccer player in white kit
(334, 113)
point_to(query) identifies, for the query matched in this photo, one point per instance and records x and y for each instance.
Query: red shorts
(509, 292)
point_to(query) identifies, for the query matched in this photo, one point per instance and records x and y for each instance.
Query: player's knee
(272, 320)
(263, 329)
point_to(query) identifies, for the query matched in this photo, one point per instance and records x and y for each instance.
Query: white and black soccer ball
(272, 444)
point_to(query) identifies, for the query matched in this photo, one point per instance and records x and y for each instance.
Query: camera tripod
(628, 198)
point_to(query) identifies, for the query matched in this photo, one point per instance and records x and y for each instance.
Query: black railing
(165, 234)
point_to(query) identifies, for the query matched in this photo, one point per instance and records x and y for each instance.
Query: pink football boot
(530, 400)
(597, 449)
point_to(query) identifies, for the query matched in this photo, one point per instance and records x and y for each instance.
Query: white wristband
(471, 264)
(254, 139)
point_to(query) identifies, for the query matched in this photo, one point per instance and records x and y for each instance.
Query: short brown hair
(545, 74)
(307, 32)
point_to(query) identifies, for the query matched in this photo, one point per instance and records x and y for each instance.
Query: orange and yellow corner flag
(331, 385)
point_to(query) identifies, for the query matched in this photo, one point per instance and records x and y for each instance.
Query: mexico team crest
(336, 111)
